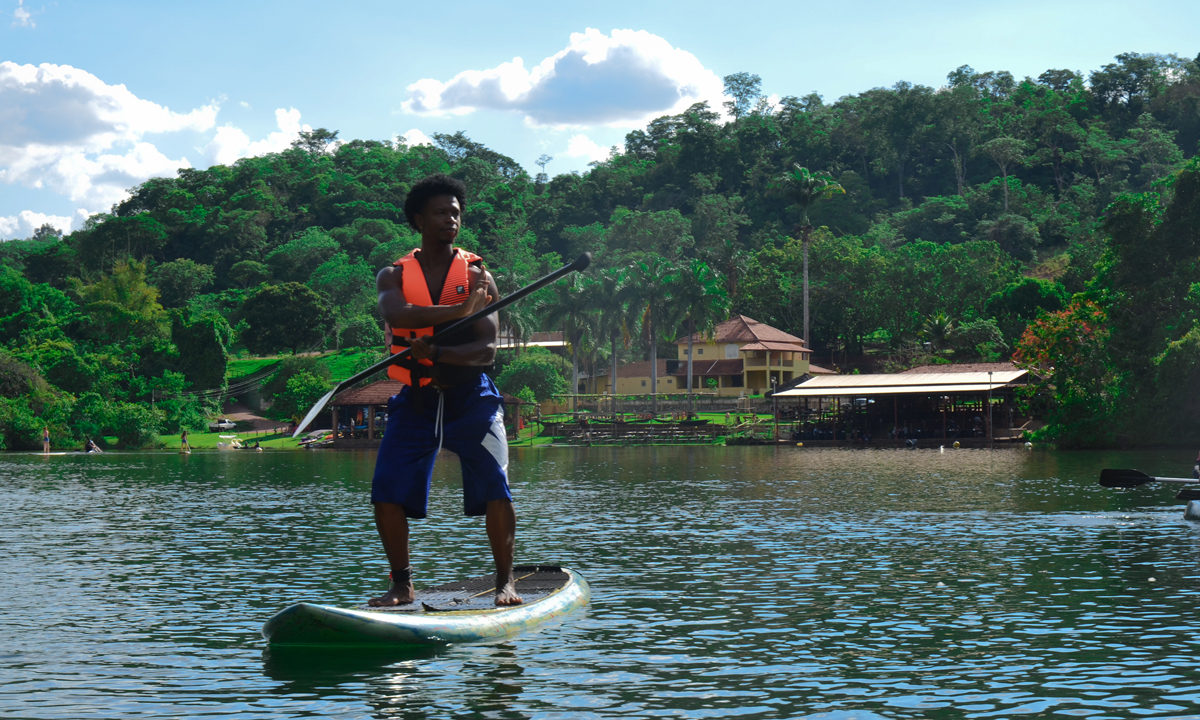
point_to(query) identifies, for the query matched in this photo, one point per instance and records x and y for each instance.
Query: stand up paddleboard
(457, 612)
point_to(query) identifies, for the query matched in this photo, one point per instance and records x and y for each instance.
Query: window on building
(643, 383)
(731, 352)
(735, 381)
(699, 351)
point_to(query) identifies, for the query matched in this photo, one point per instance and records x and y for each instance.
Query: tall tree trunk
(574, 368)
(960, 169)
(1004, 177)
(805, 231)
(653, 366)
(691, 331)
(612, 387)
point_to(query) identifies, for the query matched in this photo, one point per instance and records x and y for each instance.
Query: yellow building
(743, 356)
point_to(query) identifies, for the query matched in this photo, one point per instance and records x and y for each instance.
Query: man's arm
(399, 313)
(480, 351)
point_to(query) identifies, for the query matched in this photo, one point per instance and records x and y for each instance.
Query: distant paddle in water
(1135, 478)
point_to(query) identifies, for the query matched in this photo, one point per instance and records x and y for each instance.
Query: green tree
(702, 301)
(607, 298)
(248, 273)
(743, 89)
(648, 291)
(295, 261)
(316, 142)
(569, 309)
(1005, 152)
(302, 392)
(181, 280)
(1020, 303)
(539, 371)
(288, 316)
(805, 188)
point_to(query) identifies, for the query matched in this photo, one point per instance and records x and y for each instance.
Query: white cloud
(584, 146)
(245, 104)
(622, 79)
(24, 223)
(415, 137)
(231, 143)
(22, 17)
(64, 129)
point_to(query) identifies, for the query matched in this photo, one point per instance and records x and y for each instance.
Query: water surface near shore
(727, 582)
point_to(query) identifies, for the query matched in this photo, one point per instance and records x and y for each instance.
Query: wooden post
(370, 422)
(335, 425)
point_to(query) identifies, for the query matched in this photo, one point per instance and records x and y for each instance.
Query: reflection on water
(750, 582)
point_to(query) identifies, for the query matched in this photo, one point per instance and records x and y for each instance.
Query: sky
(96, 97)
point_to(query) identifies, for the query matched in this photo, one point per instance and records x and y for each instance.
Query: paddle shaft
(580, 263)
(1129, 478)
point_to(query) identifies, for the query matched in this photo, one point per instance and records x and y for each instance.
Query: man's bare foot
(398, 595)
(506, 594)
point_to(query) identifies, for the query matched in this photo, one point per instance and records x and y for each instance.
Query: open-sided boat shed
(921, 404)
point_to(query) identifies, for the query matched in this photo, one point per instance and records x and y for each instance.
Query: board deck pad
(534, 582)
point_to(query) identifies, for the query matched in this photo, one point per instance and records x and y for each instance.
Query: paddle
(580, 264)
(1134, 478)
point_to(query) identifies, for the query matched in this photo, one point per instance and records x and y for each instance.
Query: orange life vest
(416, 291)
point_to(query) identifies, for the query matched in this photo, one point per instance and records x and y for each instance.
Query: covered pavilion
(937, 402)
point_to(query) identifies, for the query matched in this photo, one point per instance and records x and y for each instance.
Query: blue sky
(213, 81)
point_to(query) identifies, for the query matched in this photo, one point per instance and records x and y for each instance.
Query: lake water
(746, 582)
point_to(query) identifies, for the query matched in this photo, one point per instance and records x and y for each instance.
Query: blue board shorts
(471, 425)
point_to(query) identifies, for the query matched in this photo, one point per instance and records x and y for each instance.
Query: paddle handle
(578, 265)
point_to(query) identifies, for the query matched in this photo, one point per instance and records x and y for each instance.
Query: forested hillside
(968, 212)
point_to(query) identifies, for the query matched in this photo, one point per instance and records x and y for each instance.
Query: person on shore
(183, 441)
(46, 439)
(447, 400)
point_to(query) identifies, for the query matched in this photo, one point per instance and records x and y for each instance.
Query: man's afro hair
(428, 188)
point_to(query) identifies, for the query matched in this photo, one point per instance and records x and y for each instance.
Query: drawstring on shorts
(437, 425)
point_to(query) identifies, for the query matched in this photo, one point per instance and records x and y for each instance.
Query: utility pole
(774, 405)
(991, 434)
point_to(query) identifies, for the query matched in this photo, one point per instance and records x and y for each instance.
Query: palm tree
(518, 319)
(730, 259)
(702, 300)
(805, 188)
(607, 298)
(937, 329)
(649, 290)
(568, 307)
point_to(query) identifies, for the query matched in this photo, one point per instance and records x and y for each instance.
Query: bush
(19, 425)
(303, 390)
(290, 367)
(978, 339)
(362, 331)
(136, 425)
(543, 373)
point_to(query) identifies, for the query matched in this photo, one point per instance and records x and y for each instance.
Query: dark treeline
(969, 212)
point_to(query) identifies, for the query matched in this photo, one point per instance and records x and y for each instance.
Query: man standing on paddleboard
(448, 400)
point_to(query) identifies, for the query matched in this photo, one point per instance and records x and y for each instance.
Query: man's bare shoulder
(389, 278)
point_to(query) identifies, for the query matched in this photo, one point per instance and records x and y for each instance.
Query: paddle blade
(314, 412)
(581, 263)
(1124, 478)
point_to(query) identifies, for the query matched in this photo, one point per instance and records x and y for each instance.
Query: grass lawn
(241, 367)
(342, 363)
(208, 441)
